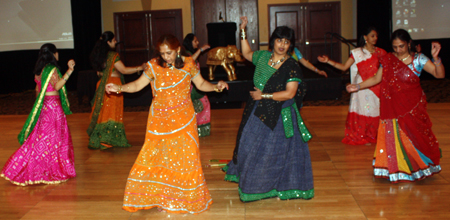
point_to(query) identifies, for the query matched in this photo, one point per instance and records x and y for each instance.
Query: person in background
(299, 57)
(363, 115)
(46, 155)
(106, 128)
(407, 149)
(199, 99)
(167, 173)
(271, 157)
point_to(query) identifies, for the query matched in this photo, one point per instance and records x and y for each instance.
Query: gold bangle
(119, 90)
(267, 95)
(216, 89)
(243, 34)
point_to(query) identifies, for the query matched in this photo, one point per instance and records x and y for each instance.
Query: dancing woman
(46, 155)
(106, 129)
(361, 126)
(199, 99)
(271, 157)
(407, 149)
(167, 173)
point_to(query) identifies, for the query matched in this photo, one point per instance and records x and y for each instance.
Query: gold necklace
(272, 64)
(403, 59)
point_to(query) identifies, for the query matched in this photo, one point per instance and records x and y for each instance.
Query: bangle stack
(68, 75)
(438, 62)
(267, 96)
(243, 34)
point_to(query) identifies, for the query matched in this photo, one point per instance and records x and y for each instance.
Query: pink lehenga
(46, 155)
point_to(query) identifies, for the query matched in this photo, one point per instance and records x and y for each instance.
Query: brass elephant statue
(224, 56)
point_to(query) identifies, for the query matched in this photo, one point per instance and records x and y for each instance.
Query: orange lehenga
(167, 173)
(106, 129)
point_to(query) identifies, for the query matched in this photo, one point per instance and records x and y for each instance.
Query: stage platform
(343, 178)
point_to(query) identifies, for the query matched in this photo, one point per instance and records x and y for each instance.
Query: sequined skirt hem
(169, 210)
(405, 177)
(283, 195)
(30, 182)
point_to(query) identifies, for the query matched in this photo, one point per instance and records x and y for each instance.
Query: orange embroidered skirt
(109, 131)
(167, 173)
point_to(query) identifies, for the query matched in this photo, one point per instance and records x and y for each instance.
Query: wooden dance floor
(344, 185)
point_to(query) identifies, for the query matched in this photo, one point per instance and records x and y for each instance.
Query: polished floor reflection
(344, 184)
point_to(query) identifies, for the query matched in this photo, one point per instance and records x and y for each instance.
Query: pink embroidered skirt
(47, 155)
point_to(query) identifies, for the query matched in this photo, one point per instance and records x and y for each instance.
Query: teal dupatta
(37, 107)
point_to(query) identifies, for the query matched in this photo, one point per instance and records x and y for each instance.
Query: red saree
(407, 149)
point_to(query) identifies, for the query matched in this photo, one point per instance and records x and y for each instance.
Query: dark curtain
(377, 14)
(87, 29)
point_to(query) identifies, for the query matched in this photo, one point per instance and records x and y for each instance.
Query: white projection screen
(423, 19)
(27, 24)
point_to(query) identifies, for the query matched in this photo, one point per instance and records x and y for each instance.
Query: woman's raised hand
(323, 58)
(244, 22)
(71, 64)
(435, 48)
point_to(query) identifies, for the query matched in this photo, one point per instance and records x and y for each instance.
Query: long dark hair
(283, 32)
(46, 56)
(403, 35)
(367, 30)
(173, 44)
(187, 43)
(100, 52)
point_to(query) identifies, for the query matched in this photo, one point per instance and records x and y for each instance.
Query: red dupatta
(400, 88)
